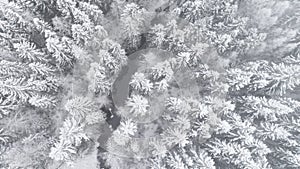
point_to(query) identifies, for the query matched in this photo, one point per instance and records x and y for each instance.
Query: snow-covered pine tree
(138, 105)
(266, 77)
(22, 82)
(140, 83)
(83, 112)
(259, 129)
(158, 37)
(189, 157)
(218, 22)
(132, 19)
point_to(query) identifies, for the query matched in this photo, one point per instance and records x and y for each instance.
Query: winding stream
(121, 84)
(120, 89)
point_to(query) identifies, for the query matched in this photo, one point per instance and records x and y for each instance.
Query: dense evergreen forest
(149, 84)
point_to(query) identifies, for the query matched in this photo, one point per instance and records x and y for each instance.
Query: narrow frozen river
(121, 85)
